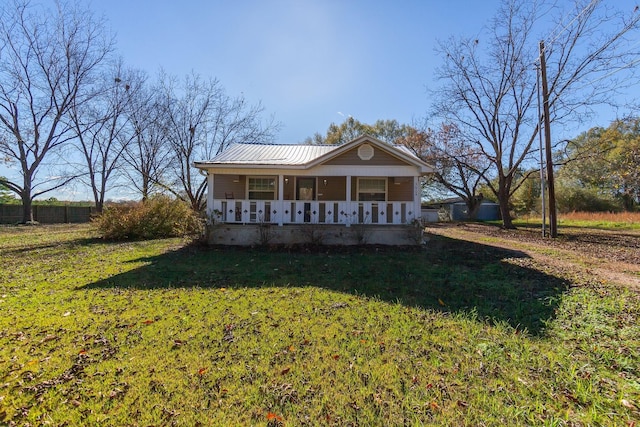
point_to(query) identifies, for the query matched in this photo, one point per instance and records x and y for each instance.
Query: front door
(306, 190)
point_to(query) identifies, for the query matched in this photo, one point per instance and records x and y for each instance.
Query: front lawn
(166, 332)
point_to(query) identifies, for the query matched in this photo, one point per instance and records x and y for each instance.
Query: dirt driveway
(605, 255)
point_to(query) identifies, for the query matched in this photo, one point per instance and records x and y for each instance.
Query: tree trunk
(507, 222)
(27, 208)
(503, 200)
(473, 206)
(25, 195)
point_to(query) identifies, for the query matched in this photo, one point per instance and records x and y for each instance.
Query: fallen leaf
(75, 403)
(148, 322)
(627, 404)
(68, 313)
(336, 356)
(285, 370)
(49, 337)
(272, 416)
(202, 371)
(441, 302)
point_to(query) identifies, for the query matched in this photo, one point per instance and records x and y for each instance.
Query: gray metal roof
(299, 155)
(270, 154)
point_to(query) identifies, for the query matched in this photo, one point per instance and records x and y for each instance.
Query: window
(372, 189)
(262, 188)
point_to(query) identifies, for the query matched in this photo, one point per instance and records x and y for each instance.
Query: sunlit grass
(162, 333)
(601, 220)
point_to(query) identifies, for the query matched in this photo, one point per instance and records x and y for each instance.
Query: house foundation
(314, 234)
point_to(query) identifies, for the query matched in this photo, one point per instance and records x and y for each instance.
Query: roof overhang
(401, 153)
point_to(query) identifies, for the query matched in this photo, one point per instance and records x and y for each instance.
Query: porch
(313, 199)
(335, 212)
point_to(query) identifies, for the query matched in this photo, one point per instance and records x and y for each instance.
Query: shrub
(570, 199)
(157, 217)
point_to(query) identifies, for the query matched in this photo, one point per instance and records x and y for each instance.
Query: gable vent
(365, 152)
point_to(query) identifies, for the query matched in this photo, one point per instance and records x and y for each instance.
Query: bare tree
(490, 92)
(147, 155)
(47, 63)
(102, 129)
(201, 121)
(458, 169)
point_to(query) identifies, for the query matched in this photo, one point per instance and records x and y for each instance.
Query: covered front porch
(296, 199)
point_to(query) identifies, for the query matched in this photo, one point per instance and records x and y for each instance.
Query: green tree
(526, 199)
(389, 131)
(6, 195)
(625, 160)
(600, 168)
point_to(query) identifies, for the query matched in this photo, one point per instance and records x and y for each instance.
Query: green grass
(602, 221)
(167, 333)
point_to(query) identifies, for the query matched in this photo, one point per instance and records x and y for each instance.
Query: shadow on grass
(447, 275)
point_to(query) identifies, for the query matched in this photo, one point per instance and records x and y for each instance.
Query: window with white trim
(261, 188)
(372, 189)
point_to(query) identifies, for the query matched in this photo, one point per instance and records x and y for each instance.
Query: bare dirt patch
(606, 255)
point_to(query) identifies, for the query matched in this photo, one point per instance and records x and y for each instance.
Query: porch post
(209, 194)
(348, 192)
(280, 204)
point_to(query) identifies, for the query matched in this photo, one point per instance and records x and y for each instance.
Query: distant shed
(456, 209)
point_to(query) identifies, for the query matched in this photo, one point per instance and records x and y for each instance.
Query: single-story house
(364, 191)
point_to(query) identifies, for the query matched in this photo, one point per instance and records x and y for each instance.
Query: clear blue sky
(310, 62)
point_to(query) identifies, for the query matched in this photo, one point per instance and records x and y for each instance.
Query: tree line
(65, 95)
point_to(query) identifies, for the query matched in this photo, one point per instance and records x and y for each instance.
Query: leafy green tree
(625, 160)
(601, 166)
(526, 199)
(385, 130)
(6, 195)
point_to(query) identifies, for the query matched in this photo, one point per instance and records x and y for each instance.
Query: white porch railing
(312, 212)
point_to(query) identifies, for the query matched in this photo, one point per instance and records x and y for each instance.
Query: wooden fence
(46, 214)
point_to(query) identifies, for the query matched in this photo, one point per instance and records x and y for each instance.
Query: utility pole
(543, 183)
(553, 221)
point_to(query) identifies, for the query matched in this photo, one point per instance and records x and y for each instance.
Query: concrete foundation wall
(298, 234)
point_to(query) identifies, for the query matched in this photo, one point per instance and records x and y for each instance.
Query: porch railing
(312, 212)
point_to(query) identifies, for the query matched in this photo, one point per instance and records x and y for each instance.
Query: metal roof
(270, 154)
(299, 155)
